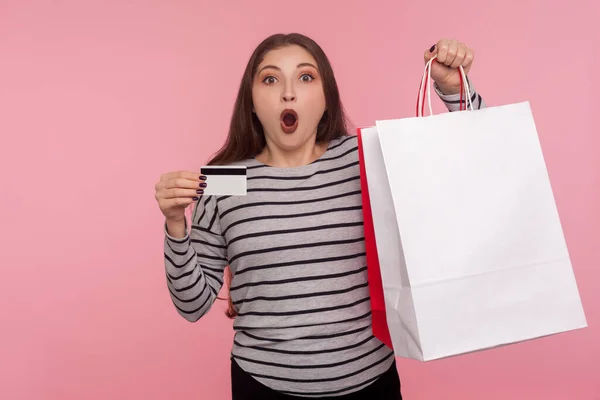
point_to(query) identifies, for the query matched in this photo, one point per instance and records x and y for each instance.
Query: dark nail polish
(203, 185)
(200, 191)
(202, 178)
(195, 199)
(432, 49)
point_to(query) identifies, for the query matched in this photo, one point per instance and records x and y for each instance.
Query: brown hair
(246, 138)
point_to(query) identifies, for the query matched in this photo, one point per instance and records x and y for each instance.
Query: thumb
(429, 53)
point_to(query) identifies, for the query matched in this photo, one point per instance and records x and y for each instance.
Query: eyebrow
(279, 69)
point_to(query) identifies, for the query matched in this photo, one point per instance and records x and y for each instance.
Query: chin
(292, 140)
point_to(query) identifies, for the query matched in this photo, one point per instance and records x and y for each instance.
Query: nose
(288, 94)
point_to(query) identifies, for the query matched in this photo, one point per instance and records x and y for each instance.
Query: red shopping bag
(379, 321)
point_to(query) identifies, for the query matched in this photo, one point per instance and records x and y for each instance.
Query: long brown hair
(246, 138)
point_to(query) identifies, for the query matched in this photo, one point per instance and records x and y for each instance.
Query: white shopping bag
(470, 246)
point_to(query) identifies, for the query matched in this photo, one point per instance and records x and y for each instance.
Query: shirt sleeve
(453, 102)
(195, 264)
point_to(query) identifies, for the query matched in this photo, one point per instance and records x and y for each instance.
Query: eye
(306, 78)
(269, 80)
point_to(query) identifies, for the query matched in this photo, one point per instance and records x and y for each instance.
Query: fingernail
(432, 49)
(200, 191)
(195, 199)
(202, 178)
(203, 185)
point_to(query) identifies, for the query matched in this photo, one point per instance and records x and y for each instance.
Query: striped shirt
(295, 246)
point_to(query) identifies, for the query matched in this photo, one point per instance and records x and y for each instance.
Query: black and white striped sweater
(295, 246)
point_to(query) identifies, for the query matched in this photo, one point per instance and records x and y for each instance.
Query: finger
(177, 202)
(469, 57)
(182, 174)
(184, 183)
(181, 193)
(451, 52)
(442, 51)
(461, 52)
(429, 53)
(171, 179)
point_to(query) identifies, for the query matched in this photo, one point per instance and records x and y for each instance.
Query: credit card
(225, 180)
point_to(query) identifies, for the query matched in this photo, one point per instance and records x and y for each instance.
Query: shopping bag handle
(424, 88)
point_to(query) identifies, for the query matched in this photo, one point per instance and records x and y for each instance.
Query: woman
(295, 244)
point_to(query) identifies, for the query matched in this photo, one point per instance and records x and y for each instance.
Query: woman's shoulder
(340, 150)
(342, 144)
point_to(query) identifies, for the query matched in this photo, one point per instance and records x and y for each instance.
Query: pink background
(98, 98)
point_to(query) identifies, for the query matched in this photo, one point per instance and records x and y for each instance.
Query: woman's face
(288, 97)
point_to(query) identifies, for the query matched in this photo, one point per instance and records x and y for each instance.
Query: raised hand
(444, 70)
(175, 191)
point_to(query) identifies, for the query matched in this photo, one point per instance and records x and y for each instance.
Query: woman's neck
(281, 158)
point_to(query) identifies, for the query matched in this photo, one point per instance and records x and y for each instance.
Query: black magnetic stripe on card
(223, 171)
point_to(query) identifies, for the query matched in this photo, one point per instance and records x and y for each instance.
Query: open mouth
(289, 121)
